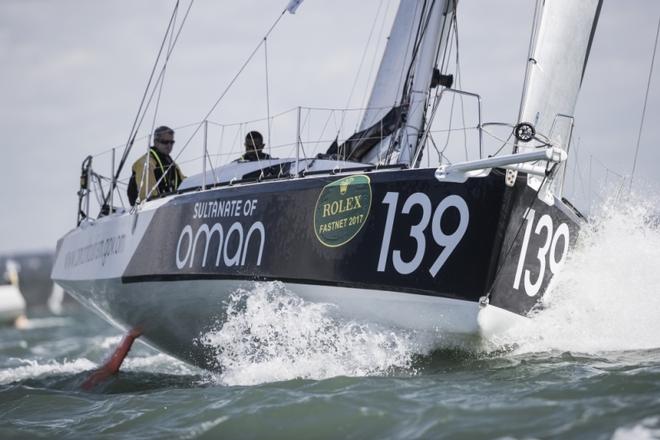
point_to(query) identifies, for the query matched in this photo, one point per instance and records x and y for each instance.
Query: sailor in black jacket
(254, 145)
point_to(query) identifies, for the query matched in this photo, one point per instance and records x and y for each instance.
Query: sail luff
(437, 21)
(387, 87)
(419, 33)
(555, 71)
(557, 66)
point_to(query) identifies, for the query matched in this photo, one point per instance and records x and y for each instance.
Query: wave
(33, 369)
(607, 296)
(272, 335)
(606, 299)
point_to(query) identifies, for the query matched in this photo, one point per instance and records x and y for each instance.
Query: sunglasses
(166, 142)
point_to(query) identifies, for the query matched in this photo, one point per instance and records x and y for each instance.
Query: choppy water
(588, 366)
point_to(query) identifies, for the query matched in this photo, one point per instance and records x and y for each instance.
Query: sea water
(586, 366)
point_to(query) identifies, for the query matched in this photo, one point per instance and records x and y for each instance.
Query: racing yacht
(463, 248)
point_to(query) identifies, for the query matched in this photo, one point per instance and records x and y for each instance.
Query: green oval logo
(341, 210)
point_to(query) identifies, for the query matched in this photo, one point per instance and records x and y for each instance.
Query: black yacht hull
(396, 247)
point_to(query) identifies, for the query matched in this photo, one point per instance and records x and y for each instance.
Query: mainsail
(420, 32)
(556, 66)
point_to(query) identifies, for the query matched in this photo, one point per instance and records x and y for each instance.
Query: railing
(299, 133)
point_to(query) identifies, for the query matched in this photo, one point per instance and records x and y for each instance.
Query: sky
(73, 72)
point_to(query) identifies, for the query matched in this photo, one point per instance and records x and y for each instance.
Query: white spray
(607, 297)
(272, 335)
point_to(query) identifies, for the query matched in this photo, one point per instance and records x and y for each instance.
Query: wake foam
(272, 335)
(33, 369)
(158, 363)
(607, 296)
(606, 299)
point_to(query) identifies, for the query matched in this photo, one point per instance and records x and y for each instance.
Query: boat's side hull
(175, 315)
(536, 238)
(397, 248)
(392, 231)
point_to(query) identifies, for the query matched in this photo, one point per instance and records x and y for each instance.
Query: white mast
(419, 33)
(422, 75)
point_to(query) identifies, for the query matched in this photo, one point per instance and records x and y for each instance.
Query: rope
(646, 97)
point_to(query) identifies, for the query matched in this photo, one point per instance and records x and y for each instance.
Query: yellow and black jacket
(157, 165)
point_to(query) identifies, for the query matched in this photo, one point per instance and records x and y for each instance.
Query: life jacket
(156, 170)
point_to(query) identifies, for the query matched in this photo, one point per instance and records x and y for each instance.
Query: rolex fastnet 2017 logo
(341, 210)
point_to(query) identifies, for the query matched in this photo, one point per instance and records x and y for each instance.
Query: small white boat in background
(12, 303)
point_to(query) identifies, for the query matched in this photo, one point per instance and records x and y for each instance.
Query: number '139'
(544, 228)
(441, 238)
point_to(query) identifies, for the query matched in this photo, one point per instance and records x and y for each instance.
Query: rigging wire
(138, 119)
(162, 77)
(364, 101)
(164, 67)
(268, 121)
(159, 85)
(424, 19)
(530, 55)
(446, 54)
(217, 102)
(443, 66)
(646, 97)
(460, 86)
(421, 30)
(585, 193)
(395, 140)
(364, 55)
(505, 142)
(131, 137)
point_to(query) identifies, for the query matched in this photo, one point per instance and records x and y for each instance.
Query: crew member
(158, 164)
(254, 145)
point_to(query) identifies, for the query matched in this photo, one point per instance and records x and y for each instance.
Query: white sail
(419, 33)
(388, 85)
(556, 67)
